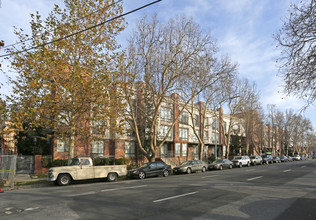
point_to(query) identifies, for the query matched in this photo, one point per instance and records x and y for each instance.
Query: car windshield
(144, 165)
(237, 158)
(186, 163)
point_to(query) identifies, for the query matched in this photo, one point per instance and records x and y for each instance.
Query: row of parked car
(160, 168)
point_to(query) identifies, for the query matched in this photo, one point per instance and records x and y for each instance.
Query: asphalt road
(278, 191)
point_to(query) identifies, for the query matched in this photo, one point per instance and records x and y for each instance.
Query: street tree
(166, 59)
(297, 40)
(66, 81)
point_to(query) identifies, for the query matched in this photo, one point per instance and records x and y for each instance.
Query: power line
(89, 28)
(10, 45)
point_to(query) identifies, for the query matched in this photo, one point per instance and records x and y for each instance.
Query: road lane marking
(286, 170)
(303, 166)
(258, 177)
(174, 197)
(82, 194)
(131, 187)
(30, 209)
(208, 176)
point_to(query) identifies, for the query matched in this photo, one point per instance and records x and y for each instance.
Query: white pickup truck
(82, 168)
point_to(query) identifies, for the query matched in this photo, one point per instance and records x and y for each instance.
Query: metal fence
(7, 169)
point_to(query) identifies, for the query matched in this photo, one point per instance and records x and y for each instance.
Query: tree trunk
(72, 146)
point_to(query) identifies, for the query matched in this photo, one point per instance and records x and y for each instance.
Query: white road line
(208, 176)
(30, 209)
(258, 177)
(286, 170)
(303, 166)
(82, 194)
(174, 197)
(131, 187)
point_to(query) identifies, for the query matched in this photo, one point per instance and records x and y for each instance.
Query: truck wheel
(112, 177)
(63, 179)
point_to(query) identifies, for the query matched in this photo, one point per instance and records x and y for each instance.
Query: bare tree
(297, 40)
(166, 59)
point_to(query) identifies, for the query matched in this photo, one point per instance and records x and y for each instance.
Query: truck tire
(63, 179)
(112, 177)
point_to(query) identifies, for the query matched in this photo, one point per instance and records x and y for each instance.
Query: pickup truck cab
(82, 168)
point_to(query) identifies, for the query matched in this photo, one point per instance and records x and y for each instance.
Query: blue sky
(243, 30)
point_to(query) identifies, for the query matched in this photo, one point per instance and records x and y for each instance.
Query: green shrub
(60, 162)
(46, 161)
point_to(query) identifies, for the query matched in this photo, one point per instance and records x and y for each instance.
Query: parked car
(290, 159)
(240, 161)
(296, 157)
(150, 169)
(276, 159)
(254, 160)
(190, 166)
(220, 164)
(284, 159)
(304, 157)
(267, 159)
(314, 156)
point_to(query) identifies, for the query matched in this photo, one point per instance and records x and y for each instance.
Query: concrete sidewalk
(22, 181)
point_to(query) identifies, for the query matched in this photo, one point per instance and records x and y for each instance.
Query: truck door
(85, 170)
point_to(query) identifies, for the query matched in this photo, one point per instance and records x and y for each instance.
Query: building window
(215, 124)
(98, 127)
(184, 150)
(129, 149)
(178, 149)
(207, 122)
(196, 120)
(98, 148)
(195, 150)
(206, 150)
(206, 136)
(183, 134)
(165, 114)
(163, 131)
(63, 146)
(184, 118)
(215, 138)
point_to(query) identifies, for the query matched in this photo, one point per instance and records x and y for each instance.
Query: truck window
(85, 162)
(74, 162)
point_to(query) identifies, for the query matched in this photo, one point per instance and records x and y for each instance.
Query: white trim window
(206, 136)
(165, 114)
(98, 148)
(163, 130)
(63, 146)
(184, 134)
(129, 149)
(184, 118)
(215, 138)
(184, 150)
(178, 149)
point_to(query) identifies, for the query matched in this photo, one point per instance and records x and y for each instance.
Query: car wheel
(189, 170)
(63, 180)
(240, 165)
(254, 163)
(230, 166)
(203, 169)
(165, 173)
(260, 162)
(248, 164)
(141, 175)
(112, 177)
(221, 167)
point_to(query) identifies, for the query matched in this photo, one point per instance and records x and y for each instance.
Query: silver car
(190, 166)
(254, 160)
(240, 161)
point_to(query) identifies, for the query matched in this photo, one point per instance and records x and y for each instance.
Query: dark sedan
(220, 164)
(284, 159)
(150, 169)
(276, 159)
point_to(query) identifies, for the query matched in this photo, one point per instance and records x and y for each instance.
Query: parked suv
(266, 159)
(240, 161)
(254, 160)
